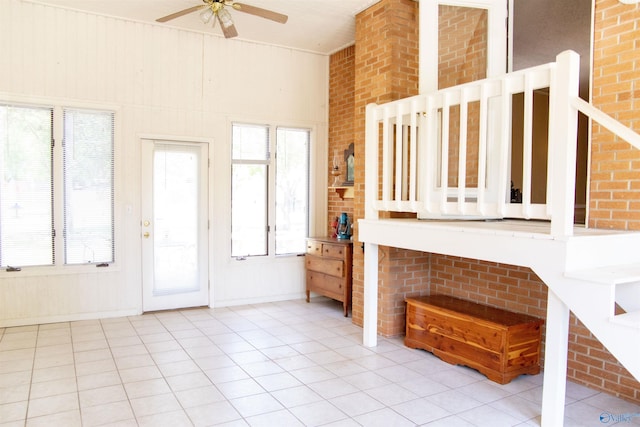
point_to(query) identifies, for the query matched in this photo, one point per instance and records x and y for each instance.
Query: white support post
(563, 134)
(555, 361)
(370, 322)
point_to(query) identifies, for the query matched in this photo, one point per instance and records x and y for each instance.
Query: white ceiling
(322, 26)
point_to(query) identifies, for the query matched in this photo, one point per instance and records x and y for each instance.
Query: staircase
(623, 285)
(606, 300)
(611, 310)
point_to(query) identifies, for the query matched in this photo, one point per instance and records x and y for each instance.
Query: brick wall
(341, 93)
(615, 166)
(509, 287)
(403, 274)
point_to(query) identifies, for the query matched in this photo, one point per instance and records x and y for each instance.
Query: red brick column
(341, 92)
(386, 69)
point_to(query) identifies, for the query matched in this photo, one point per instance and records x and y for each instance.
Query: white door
(174, 225)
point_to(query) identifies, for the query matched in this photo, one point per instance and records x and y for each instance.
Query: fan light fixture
(215, 9)
(225, 17)
(206, 15)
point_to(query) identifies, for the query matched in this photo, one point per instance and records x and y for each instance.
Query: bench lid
(472, 309)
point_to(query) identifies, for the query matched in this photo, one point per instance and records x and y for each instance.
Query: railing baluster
(462, 152)
(550, 167)
(386, 159)
(482, 149)
(503, 145)
(429, 158)
(398, 155)
(413, 150)
(405, 162)
(527, 147)
(444, 154)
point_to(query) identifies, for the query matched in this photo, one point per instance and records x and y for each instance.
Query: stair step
(609, 275)
(629, 319)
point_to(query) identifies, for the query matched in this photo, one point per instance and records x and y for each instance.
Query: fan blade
(181, 13)
(229, 31)
(263, 13)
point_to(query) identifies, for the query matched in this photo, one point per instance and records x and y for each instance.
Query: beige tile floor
(278, 364)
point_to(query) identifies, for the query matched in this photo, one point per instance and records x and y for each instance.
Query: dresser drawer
(333, 251)
(330, 286)
(314, 248)
(332, 267)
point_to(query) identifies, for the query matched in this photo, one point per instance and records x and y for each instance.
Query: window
(249, 169)
(88, 186)
(40, 177)
(261, 196)
(292, 190)
(26, 206)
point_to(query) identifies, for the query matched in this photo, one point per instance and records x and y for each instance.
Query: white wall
(164, 82)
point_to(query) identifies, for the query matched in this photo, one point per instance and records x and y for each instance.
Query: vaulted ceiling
(321, 26)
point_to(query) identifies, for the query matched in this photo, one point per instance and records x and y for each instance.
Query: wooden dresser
(498, 343)
(328, 267)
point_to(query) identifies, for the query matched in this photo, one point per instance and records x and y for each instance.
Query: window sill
(54, 270)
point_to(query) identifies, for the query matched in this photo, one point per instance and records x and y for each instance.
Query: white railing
(448, 154)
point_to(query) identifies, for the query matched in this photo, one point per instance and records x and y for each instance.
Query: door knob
(146, 235)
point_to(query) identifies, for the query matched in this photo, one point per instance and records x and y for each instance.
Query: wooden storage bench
(498, 343)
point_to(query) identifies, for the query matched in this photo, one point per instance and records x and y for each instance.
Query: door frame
(209, 194)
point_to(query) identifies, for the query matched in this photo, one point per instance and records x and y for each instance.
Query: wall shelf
(345, 192)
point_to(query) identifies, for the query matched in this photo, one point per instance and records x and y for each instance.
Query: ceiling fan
(215, 9)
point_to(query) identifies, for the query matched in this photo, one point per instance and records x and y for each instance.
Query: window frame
(68, 230)
(272, 165)
(267, 163)
(59, 267)
(275, 189)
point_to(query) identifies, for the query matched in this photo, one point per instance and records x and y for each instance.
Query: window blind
(88, 159)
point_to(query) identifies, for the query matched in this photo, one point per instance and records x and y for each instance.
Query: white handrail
(607, 121)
